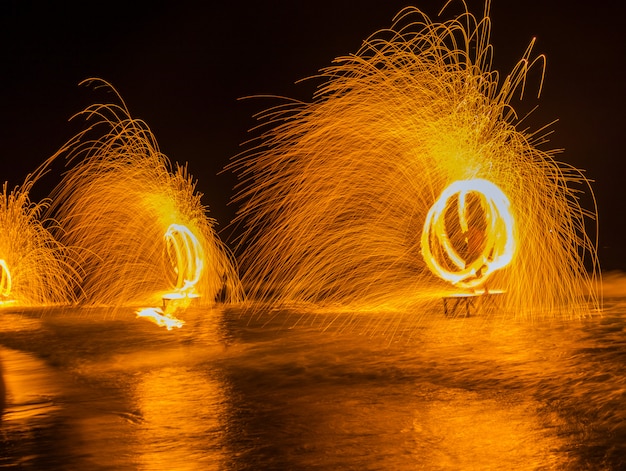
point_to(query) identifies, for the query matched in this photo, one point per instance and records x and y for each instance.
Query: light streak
(488, 241)
(334, 192)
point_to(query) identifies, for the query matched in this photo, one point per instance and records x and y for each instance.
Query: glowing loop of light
(5, 280)
(499, 244)
(186, 254)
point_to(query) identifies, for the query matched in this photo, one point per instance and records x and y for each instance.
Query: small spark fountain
(141, 232)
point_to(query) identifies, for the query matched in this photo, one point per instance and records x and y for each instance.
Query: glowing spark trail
(335, 193)
(135, 221)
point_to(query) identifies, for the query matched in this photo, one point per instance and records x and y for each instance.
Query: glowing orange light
(160, 318)
(140, 232)
(5, 280)
(186, 255)
(335, 191)
(495, 241)
(34, 267)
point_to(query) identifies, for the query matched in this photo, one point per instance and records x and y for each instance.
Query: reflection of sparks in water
(160, 318)
(130, 217)
(335, 192)
(488, 248)
(34, 266)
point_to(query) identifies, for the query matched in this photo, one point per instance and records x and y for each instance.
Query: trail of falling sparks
(335, 192)
(141, 231)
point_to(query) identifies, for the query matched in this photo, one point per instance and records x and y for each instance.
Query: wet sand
(89, 391)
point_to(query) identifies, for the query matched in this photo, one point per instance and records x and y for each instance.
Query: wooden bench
(468, 301)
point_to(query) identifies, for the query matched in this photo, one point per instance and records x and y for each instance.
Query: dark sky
(182, 66)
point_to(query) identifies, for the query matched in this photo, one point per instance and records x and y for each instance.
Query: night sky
(183, 67)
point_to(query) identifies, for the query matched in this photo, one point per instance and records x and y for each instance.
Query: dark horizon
(184, 68)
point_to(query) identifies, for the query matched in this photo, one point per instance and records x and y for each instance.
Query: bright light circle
(499, 234)
(185, 253)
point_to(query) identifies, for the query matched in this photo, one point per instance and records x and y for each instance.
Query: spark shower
(337, 194)
(405, 179)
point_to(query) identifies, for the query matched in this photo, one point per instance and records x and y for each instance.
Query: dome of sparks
(336, 192)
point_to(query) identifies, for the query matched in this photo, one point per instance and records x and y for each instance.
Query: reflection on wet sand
(231, 393)
(180, 420)
(369, 406)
